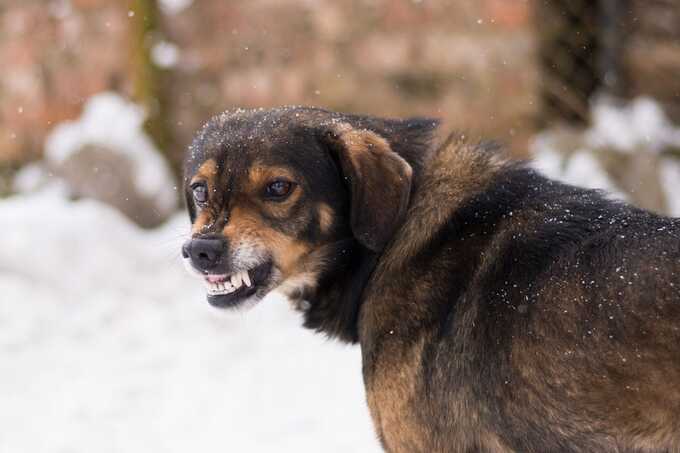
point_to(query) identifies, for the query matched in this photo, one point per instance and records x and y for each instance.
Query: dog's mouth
(229, 290)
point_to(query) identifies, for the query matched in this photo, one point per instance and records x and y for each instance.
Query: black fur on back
(550, 312)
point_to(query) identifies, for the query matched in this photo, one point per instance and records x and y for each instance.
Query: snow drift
(108, 346)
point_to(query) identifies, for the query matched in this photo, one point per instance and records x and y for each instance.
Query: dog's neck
(441, 185)
(455, 173)
(445, 208)
(335, 302)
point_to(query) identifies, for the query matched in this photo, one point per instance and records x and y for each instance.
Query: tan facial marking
(202, 220)
(206, 172)
(259, 176)
(325, 217)
(287, 252)
(245, 225)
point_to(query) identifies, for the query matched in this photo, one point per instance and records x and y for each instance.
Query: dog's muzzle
(207, 257)
(206, 253)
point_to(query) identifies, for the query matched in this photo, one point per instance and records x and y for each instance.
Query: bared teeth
(236, 280)
(220, 285)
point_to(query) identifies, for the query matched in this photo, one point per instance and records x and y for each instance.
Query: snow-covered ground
(107, 346)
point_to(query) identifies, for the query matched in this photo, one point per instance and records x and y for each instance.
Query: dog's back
(536, 317)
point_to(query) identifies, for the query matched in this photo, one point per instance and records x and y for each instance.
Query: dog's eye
(278, 189)
(200, 193)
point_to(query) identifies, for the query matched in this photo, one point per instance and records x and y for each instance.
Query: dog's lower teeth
(215, 289)
(229, 285)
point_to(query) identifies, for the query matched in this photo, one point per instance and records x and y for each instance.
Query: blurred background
(105, 343)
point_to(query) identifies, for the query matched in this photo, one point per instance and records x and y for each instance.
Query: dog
(496, 310)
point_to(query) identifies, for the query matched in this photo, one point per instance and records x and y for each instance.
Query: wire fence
(580, 53)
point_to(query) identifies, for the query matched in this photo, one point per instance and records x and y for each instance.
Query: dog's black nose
(205, 254)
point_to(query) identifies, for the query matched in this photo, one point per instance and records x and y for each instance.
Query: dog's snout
(205, 254)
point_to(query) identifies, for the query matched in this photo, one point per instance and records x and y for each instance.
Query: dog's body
(520, 314)
(497, 311)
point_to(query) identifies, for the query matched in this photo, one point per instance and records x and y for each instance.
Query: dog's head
(277, 197)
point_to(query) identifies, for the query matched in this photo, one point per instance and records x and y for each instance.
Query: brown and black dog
(497, 310)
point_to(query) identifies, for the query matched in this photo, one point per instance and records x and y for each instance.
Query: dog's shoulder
(496, 266)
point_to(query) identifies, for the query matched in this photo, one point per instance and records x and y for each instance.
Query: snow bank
(580, 169)
(620, 130)
(108, 346)
(640, 124)
(110, 121)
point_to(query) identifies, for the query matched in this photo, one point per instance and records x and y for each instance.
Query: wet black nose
(205, 254)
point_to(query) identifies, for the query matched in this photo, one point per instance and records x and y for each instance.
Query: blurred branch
(672, 152)
(150, 82)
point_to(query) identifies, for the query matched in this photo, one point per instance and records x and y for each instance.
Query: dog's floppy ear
(379, 182)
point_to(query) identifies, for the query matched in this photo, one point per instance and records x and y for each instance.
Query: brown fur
(452, 176)
(637, 393)
(380, 182)
(497, 311)
(245, 225)
(207, 171)
(326, 217)
(202, 222)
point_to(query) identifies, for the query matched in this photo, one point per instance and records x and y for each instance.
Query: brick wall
(55, 54)
(467, 61)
